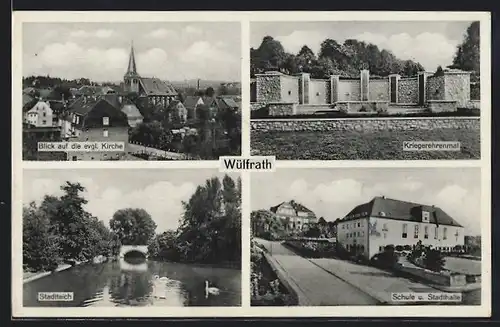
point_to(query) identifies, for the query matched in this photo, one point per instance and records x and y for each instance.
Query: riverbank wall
(46, 273)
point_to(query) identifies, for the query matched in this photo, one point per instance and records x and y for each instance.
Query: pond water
(141, 284)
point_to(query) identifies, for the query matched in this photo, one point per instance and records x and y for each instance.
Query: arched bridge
(129, 249)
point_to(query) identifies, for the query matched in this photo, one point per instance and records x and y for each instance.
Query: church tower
(131, 77)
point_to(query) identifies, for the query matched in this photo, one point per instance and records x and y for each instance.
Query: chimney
(198, 84)
(383, 196)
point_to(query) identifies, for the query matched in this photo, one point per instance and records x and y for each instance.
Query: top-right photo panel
(365, 90)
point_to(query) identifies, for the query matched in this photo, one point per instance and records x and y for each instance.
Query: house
(371, 226)
(40, 115)
(177, 112)
(191, 103)
(296, 216)
(154, 89)
(105, 118)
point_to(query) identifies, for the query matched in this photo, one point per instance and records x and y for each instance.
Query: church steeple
(131, 77)
(132, 68)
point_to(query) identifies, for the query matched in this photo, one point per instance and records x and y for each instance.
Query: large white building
(41, 115)
(371, 226)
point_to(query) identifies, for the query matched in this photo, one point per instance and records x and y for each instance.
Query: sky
(173, 51)
(430, 43)
(158, 191)
(332, 193)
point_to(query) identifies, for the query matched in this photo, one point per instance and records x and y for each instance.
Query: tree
(439, 71)
(266, 224)
(133, 226)
(40, 245)
(210, 92)
(467, 54)
(269, 56)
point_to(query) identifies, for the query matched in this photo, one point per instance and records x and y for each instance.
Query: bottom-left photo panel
(131, 237)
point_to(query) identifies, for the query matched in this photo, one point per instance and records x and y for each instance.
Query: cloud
(294, 41)
(162, 200)
(201, 50)
(77, 62)
(152, 61)
(101, 33)
(430, 49)
(38, 188)
(160, 33)
(192, 30)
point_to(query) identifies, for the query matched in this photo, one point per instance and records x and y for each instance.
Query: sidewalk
(375, 282)
(314, 286)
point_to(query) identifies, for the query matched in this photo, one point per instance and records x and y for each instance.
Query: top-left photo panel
(131, 91)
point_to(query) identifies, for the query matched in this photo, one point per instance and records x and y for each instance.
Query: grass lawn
(353, 145)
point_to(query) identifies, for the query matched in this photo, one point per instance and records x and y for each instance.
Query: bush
(386, 259)
(433, 260)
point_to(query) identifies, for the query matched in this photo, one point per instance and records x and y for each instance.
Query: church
(157, 91)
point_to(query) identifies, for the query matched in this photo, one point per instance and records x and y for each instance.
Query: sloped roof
(209, 101)
(82, 106)
(155, 86)
(400, 210)
(191, 101)
(29, 90)
(27, 101)
(176, 104)
(226, 103)
(45, 93)
(88, 90)
(296, 206)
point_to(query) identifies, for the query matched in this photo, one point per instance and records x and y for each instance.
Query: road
(316, 285)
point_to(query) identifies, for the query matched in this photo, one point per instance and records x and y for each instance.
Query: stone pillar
(365, 84)
(457, 87)
(422, 88)
(393, 88)
(304, 80)
(334, 88)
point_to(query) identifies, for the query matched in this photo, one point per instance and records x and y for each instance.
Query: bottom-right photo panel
(366, 236)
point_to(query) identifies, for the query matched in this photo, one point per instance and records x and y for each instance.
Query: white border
(245, 310)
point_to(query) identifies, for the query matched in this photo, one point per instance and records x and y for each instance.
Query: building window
(74, 158)
(444, 233)
(415, 235)
(426, 232)
(456, 235)
(105, 121)
(405, 231)
(359, 224)
(44, 122)
(44, 114)
(435, 233)
(105, 133)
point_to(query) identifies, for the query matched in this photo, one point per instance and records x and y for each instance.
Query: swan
(211, 290)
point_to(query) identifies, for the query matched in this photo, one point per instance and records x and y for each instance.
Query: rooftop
(383, 207)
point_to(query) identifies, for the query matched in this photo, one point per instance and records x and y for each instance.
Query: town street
(337, 282)
(318, 286)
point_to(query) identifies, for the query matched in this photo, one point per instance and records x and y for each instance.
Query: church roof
(155, 86)
(400, 210)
